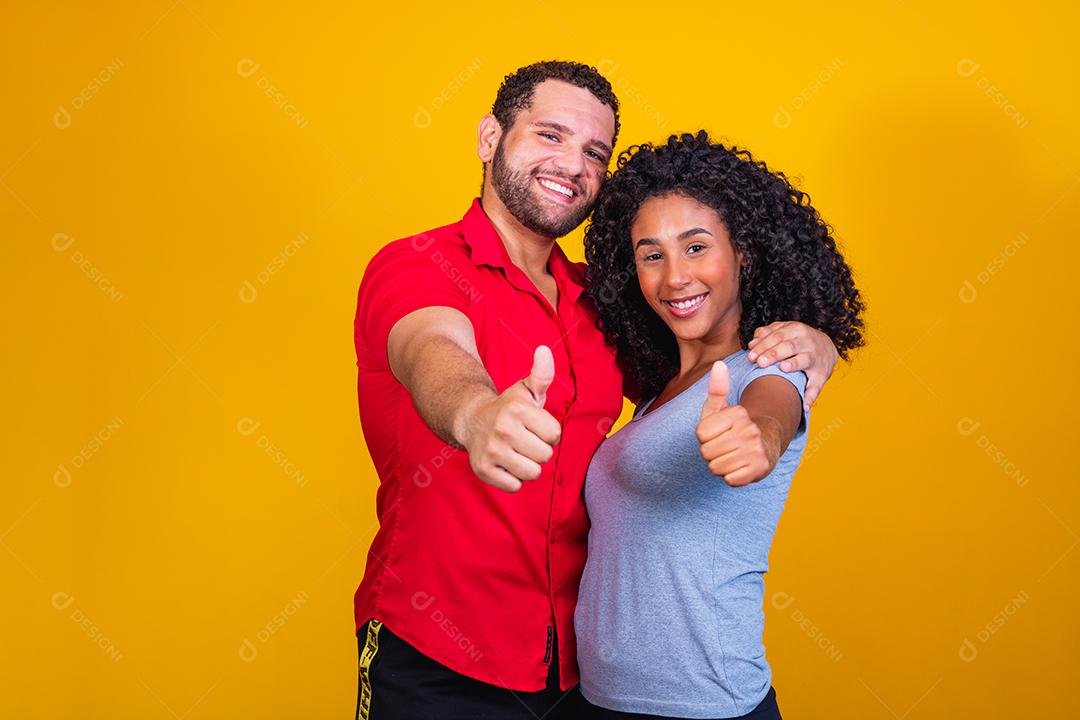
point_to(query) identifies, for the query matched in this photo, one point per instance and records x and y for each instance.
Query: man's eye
(549, 136)
(595, 155)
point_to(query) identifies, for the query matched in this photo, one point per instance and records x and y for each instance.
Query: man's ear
(488, 133)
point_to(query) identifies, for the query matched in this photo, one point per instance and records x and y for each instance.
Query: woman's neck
(703, 352)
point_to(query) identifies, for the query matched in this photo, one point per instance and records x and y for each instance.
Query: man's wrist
(467, 418)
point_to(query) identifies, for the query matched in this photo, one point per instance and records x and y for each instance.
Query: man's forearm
(447, 384)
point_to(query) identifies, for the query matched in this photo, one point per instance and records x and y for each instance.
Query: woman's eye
(695, 247)
(652, 256)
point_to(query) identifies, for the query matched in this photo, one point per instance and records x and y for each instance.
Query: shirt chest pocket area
(507, 343)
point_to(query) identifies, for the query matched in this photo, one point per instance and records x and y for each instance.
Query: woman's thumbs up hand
(731, 442)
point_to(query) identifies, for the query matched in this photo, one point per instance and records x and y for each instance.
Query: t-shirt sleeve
(403, 277)
(797, 378)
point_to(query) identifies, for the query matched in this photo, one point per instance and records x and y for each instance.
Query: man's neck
(528, 250)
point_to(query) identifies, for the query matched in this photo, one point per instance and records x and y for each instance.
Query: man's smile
(561, 191)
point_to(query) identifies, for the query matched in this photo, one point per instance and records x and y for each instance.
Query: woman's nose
(677, 274)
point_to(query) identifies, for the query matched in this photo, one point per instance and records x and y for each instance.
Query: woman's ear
(743, 262)
(488, 133)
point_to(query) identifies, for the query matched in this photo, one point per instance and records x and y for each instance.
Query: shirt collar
(487, 248)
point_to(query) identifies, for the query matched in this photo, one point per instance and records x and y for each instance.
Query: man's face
(548, 166)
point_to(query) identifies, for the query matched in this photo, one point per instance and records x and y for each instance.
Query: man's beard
(515, 191)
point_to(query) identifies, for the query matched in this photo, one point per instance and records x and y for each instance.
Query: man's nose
(570, 162)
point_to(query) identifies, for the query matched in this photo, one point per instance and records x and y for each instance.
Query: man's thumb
(542, 374)
(719, 384)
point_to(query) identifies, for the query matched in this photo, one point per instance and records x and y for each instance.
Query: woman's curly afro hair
(791, 269)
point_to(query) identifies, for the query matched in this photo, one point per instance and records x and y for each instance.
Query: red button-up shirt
(471, 576)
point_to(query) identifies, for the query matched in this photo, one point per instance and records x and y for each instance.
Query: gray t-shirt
(669, 619)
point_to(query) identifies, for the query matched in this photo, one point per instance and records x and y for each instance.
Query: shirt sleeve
(797, 378)
(403, 277)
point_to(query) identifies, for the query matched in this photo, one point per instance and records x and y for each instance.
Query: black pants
(766, 710)
(398, 682)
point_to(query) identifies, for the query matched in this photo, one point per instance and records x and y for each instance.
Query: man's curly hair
(516, 91)
(791, 269)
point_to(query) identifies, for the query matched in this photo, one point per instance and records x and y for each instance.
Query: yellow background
(189, 502)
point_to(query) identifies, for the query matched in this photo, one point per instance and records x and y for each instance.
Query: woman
(684, 500)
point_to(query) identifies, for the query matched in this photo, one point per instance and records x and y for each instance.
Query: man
(484, 388)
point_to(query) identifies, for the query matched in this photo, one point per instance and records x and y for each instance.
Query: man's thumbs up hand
(719, 384)
(542, 374)
(512, 435)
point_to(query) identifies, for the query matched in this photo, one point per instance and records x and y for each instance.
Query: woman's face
(687, 267)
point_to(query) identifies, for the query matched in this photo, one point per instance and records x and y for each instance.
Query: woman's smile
(685, 306)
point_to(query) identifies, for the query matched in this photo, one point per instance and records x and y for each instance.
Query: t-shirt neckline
(648, 404)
